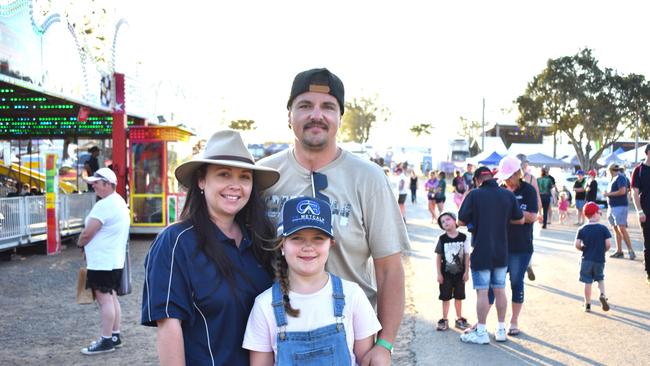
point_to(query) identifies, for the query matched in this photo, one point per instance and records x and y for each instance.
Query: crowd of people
(298, 257)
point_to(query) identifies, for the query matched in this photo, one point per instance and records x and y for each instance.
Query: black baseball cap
(481, 171)
(318, 80)
(306, 212)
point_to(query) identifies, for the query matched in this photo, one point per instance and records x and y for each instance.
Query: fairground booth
(61, 94)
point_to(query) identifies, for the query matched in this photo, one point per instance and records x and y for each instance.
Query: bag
(84, 295)
(125, 281)
(460, 186)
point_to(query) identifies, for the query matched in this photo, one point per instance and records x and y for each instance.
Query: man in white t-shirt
(367, 223)
(103, 242)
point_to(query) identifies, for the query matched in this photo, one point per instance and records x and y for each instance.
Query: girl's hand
(441, 279)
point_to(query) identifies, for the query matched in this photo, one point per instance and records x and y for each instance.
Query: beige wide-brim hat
(227, 148)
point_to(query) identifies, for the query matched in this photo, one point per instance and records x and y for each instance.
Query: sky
(428, 62)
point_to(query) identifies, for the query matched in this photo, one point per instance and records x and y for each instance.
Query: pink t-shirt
(563, 205)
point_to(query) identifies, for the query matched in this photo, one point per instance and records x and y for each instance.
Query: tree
(592, 106)
(242, 125)
(469, 129)
(360, 115)
(422, 128)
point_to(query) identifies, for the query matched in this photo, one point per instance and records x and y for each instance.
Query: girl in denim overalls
(309, 316)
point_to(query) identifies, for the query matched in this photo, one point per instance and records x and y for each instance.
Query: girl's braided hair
(282, 276)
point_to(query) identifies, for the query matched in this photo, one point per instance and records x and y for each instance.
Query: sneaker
(586, 308)
(117, 340)
(603, 302)
(101, 346)
(632, 255)
(475, 337)
(461, 323)
(500, 335)
(617, 255)
(531, 274)
(443, 324)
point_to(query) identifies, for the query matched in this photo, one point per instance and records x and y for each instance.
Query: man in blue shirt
(489, 209)
(617, 213)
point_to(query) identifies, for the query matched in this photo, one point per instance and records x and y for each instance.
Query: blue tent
(613, 157)
(493, 159)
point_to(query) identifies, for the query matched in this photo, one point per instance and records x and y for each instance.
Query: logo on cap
(308, 206)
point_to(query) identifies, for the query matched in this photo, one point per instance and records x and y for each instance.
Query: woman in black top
(414, 185)
(592, 187)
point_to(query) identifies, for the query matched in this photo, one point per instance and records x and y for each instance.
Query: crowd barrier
(23, 219)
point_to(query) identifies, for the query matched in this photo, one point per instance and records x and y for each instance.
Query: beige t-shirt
(366, 219)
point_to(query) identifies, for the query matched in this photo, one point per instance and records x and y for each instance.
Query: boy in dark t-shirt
(452, 263)
(593, 240)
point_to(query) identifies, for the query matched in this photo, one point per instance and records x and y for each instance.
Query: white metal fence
(23, 219)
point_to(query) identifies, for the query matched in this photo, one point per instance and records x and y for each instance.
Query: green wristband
(384, 343)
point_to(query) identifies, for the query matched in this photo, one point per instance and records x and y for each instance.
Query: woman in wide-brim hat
(203, 274)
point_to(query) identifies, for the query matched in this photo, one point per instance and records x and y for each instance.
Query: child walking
(309, 316)
(563, 207)
(593, 240)
(452, 263)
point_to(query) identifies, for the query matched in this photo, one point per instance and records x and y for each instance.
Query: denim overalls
(323, 346)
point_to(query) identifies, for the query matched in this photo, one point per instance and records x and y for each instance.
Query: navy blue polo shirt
(489, 209)
(181, 282)
(593, 236)
(614, 185)
(520, 237)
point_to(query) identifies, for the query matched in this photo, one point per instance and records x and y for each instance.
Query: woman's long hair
(252, 216)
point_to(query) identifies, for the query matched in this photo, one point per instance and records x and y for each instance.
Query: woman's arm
(361, 347)
(263, 358)
(171, 349)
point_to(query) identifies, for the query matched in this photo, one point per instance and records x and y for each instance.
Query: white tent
(629, 155)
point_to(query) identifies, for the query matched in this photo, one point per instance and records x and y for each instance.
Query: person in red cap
(592, 187)
(593, 240)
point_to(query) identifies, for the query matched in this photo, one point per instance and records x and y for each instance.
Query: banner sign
(51, 202)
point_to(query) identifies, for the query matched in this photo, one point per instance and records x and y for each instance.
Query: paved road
(555, 331)
(40, 323)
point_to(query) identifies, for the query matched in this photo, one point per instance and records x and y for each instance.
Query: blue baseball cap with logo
(303, 213)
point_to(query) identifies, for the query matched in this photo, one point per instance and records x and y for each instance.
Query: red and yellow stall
(154, 194)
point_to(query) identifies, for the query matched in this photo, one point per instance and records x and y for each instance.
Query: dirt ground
(41, 323)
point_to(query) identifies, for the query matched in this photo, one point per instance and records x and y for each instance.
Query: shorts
(580, 204)
(103, 281)
(452, 287)
(617, 215)
(430, 196)
(591, 271)
(484, 279)
(440, 199)
(401, 198)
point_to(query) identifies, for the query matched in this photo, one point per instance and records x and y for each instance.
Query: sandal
(443, 324)
(513, 332)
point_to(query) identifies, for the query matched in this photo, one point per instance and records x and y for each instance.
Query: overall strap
(339, 297)
(278, 305)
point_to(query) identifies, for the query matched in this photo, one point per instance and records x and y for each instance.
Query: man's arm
(390, 305)
(620, 192)
(92, 227)
(636, 198)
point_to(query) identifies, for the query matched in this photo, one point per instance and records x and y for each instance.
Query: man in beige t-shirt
(368, 227)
